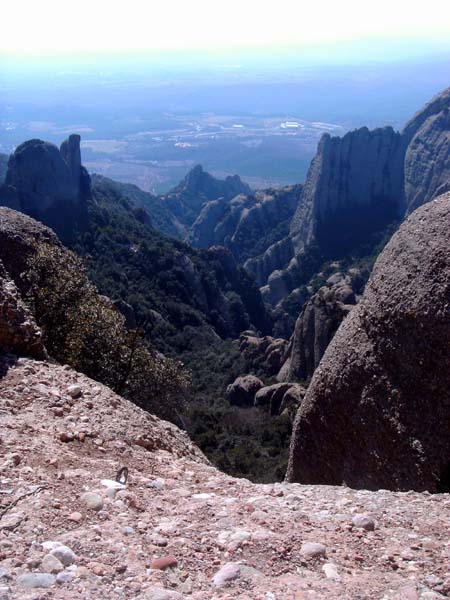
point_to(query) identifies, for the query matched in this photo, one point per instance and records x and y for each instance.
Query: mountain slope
(169, 285)
(187, 199)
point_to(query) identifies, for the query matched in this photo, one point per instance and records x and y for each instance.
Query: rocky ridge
(247, 224)
(198, 187)
(360, 185)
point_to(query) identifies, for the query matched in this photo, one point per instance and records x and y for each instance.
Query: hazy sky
(54, 26)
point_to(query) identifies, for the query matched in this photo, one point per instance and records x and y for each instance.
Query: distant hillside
(187, 199)
(160, 216)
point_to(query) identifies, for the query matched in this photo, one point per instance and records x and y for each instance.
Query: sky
(52, 27)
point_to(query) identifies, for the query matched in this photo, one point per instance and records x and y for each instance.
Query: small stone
(74, 391)
(159, 540)
(163, 563)
(5, 592)
(121, 569)
(364, 522)
(331, 572)
(75, 517)
(50, 545)
(313, 550)
(65, 555)
(127, 531)
(156, 484)
(51, 564)
(65, 577)
(92, 501)
(227, 573)
(5, 575)
(98, 569)
(156, 593)
(36, 580)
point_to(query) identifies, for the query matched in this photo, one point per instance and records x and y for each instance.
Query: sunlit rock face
(353, 189)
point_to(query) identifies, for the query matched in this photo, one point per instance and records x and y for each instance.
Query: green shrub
(83, 329)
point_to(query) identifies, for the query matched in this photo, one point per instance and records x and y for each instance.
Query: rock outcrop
(247, 225)
(43, 175)
(19, 235)
(353, 190)
(271, 397)
(242, 391)
(427, 158)
(357, 187)
(316, 326)
(48, 183)
(274, 258)
(187, 199)
(266, 354)
(377, 412)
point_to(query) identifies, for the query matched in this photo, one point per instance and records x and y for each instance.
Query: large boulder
(271, 396)
(242, 391)
(377, 412)
(266, 354)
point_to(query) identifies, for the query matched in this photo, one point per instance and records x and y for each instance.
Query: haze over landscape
(156, 89)
(224, 300)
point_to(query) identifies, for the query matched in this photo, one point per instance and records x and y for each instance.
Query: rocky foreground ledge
(180, 529)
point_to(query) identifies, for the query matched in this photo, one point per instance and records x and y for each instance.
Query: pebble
(158, 540)
(74, 391)
(163, 563)
(65, 555)
(313, 550)
(227, 573)
(36, 580)
(51, 564)
(75, 517)
(65, 577)
(5, 593)
(157, 593)
(92, 501)
(364, 522)
(331, 572)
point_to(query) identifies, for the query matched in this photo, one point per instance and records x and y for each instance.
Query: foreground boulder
(377, 413)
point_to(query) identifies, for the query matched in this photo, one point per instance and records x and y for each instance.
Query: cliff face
(356, 187)
(42, 175)
(427, 158)
(48, 183)
(353, 189)
(377, 412)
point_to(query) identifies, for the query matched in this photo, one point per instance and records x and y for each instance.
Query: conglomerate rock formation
(377, 412)
(178, 529)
